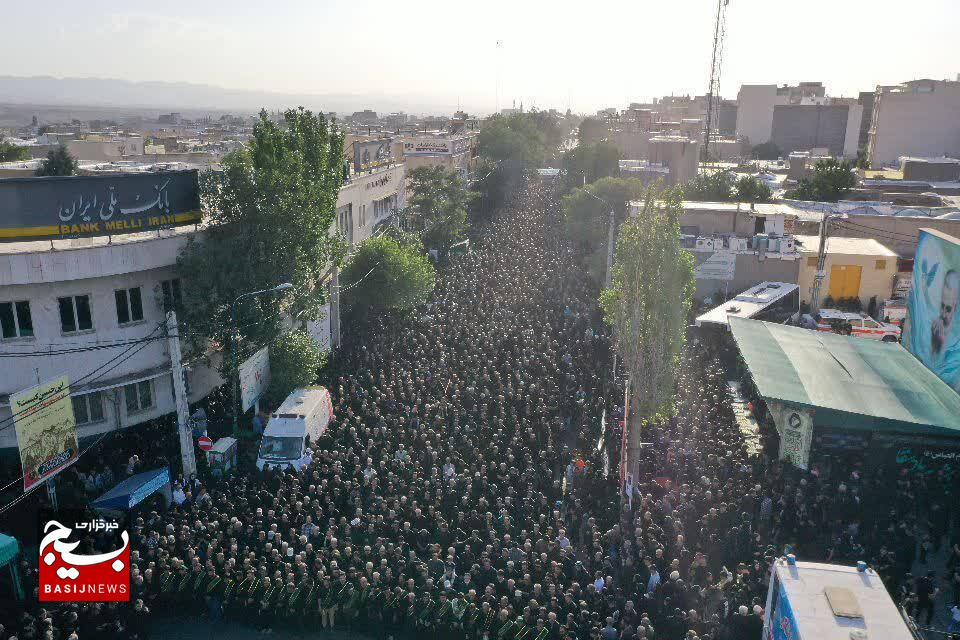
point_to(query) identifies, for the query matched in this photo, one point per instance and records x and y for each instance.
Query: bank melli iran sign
(87, 206)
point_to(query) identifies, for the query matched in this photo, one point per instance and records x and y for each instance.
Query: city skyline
(545, 55)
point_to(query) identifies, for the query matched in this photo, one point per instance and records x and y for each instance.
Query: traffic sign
(205, 443)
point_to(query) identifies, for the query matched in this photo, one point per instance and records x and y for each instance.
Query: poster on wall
(795, 426)
(931, 331)
(46, 430)
(254, 377)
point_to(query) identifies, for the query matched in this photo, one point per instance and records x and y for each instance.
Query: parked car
(850, 323)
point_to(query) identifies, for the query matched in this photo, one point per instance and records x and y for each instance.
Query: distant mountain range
(184, 96)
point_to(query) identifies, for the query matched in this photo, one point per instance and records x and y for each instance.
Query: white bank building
(92, 306)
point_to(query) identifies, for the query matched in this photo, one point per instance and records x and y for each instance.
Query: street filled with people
(461, 493)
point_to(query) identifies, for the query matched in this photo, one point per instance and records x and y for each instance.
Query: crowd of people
(460, 493)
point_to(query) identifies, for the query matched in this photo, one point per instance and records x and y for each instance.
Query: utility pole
(187, 457)
(610, 224)
(821, 260)
(335, 309)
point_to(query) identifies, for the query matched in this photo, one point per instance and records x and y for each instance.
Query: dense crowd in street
(460, 493)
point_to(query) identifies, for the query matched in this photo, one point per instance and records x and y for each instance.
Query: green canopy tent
(851, 383)
(9, 552)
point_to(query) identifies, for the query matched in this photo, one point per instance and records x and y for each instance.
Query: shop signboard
(254, 377)
(795, 426)
(89, 206)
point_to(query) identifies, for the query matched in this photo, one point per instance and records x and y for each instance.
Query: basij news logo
(83, 558)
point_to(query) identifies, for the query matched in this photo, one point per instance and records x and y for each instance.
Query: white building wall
(755, 104)
(915, 123)
(35, 273)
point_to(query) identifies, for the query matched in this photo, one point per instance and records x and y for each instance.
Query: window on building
(88, 408)
(129, 305)
(170, 292)
(16, 320)
(812, 262)
(881, 264)
(75, 314)
(139, 396)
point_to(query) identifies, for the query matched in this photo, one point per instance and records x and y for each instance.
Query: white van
(294, 427)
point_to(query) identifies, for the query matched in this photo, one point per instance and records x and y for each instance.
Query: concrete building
(95, 292)
(919, 118)
(106, 147)
(930, 169)
(799, 118)
(677, 153)
(860, 268)
(104, 292)
(458, 153)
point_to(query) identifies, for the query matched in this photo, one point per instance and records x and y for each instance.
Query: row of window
(76, 314)
(88, 408)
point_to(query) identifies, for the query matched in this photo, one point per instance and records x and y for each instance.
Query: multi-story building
(799, 118)
(457, 153)
(920, 118)
(76, 301)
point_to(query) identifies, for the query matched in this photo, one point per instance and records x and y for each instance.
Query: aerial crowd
(461, 493)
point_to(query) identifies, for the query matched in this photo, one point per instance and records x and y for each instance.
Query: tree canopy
(591, 130)
(10, 152)
(709, 187)
(295, 359)
(766, 151)
(524, 140)
(437, 206)
(831, 181)
(752, 190)
(647, 305)
(386, 275)
(269, 215)
(591, 162)
(586, 218)
(59, 162)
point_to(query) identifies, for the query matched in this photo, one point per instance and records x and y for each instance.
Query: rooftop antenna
(716, 61)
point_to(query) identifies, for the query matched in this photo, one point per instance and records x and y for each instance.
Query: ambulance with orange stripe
(850, 323)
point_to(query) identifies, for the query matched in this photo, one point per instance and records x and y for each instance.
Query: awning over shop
(849, 382)
(134, 490)
(9, 548)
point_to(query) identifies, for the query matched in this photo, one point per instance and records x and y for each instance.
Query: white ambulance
(860, 325)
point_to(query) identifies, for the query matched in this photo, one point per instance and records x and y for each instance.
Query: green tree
(591, 130)
(385, 275)
(10, 152)
(437, 206)
(489, 190)
(586, 218)
(766, 151)
(522, 140)
(647, 306)
(710, 187)
(750, 189)
(831, 181)
(591, 162)
(269, 215)
(295, 360)
(59, 162)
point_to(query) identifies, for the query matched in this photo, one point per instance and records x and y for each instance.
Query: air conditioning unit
(788, 245)
(704, 244)
(738, 244)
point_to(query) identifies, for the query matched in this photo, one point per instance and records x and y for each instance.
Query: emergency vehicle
(815, 601)
(860, 324)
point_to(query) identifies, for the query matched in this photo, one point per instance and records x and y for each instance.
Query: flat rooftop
(846, 246)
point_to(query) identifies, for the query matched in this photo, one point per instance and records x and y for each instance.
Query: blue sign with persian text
(87, 206)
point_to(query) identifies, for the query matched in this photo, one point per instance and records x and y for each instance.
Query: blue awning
(9, 548)
(134, 490)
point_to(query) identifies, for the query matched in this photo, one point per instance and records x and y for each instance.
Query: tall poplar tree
(647, 305)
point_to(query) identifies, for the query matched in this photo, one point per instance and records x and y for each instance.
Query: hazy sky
(556, 53)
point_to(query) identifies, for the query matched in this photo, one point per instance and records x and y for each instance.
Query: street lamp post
(234, 347)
